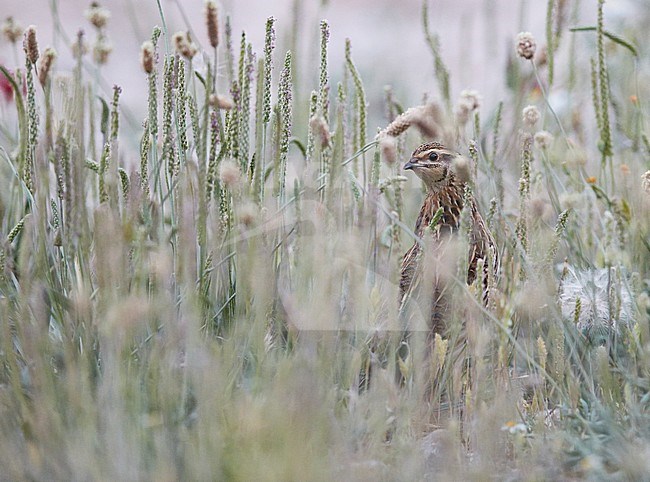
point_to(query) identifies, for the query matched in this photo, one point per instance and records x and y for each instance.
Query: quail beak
(412, 164)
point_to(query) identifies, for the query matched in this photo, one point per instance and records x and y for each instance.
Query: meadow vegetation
(222, 304)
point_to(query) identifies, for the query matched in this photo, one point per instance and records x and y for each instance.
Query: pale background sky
(387, 39)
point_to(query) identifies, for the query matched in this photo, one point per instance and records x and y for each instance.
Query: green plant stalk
(495, 135)
(230, 56)
(550, 42)
(603, 79)
(145, 148)
(102, 168)
(244, 121)
(258, 180)
(181, 112)
(285, 111)
(47, 94)
(322, 103)
(313, 109)
(361, 105)
(32, 127)
(23, 130)
(441, 71)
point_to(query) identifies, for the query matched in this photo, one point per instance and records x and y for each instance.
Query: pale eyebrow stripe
(442, 152)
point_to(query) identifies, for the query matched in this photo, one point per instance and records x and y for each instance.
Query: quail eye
(433, 156)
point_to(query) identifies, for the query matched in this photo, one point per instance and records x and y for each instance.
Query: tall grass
(222, 304)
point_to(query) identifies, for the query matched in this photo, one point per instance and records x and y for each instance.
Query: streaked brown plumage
(435, 165)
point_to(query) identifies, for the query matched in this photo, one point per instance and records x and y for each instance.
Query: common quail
(434, 164)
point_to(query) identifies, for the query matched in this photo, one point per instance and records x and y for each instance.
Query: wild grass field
(211, 292)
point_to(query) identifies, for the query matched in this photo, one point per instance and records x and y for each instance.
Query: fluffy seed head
(11, 30)
(468, 102)
(212, 22)
(147, 56)
(30, 45)
(571, 200)
(530, 115)
(229, 174)
(645, 182)
(425, 117)
(461, 166)
(184, 45)
(97, 15)
(526, 45)
(400, 124)
(539, 208)
(388, 148)
(79, 47)
(45, 64)
(543, 139)
(219, 101)
(321, 130)
(101, 50)
(427, 120)
(471, 98)
(248, 213)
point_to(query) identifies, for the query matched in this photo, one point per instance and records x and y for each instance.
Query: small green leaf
(436, 218)
(200, 77)
(105, 117)
(92, 165)
(613, 37)
(299, 145)
(600, 194)
(625, 210)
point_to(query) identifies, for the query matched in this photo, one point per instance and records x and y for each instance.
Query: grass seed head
(425, 117)
(219, 101)
(97, 15)
(530, 115)
(11, 30)
(543, 139)
(526, 45)
(30, 45)
(184, 45)
(212, 22)
(468, 102)
(388, 147)
(79, 47)
(229, 174)
(461, 167)
(147, 56)
(102, 50)
(321, 129)
(45, 65)
(248, 213)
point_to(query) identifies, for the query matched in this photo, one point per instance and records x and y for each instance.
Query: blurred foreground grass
(211, 307)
